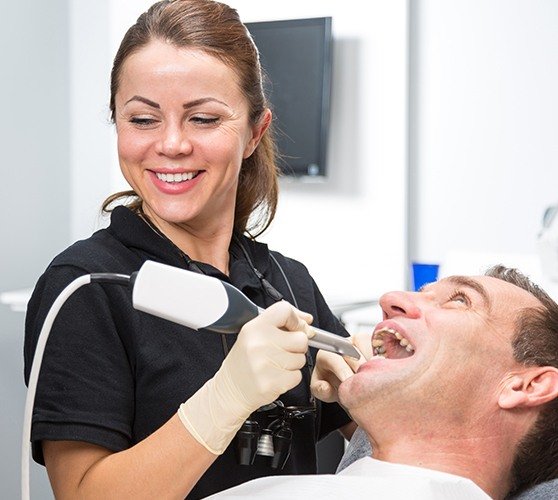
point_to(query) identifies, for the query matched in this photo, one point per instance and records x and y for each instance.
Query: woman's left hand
(332, 369)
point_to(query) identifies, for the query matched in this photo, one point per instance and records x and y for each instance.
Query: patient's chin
(352, 393)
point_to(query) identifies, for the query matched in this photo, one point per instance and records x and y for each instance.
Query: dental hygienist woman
(129, 405)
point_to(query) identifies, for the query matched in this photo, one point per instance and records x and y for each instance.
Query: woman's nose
(400, 304)
(173, 142)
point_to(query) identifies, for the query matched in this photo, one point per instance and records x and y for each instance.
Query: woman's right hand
(268, 355)
(264, 362)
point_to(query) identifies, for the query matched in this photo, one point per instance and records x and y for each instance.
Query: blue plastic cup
(423, 274)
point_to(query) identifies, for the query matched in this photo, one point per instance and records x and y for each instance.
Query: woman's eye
(204, 120)
(141, 121)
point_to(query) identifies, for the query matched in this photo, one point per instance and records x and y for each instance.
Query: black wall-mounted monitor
(296, 56)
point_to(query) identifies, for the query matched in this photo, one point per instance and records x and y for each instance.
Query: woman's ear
(534, 386)
(258, 130)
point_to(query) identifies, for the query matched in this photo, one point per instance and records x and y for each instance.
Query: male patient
(458, 396)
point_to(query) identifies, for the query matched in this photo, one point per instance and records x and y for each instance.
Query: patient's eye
(460, 297)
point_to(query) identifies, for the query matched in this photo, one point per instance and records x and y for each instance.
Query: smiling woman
(183, 131)
(131, 405)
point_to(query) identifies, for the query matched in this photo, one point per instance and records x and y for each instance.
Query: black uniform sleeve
(85, 390)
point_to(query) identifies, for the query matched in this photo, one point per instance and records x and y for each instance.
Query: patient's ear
(534, 386)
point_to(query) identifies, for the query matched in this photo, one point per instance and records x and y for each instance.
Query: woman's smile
(175, 182)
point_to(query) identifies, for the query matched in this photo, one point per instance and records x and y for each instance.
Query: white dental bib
(365, 478)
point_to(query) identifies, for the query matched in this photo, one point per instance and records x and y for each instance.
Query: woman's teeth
(185, 176)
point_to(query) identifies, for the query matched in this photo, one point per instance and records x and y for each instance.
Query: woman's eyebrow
(203, 100)
(187, 105)
(149, 102)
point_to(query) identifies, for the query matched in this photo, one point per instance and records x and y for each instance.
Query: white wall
(35, 194)
(484, 148)
(91, 147)
(350, 230)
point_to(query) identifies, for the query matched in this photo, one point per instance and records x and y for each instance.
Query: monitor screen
(296, 57)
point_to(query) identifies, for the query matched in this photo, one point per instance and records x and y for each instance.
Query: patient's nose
(395, 304)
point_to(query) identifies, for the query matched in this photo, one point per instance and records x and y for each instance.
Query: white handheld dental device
(206, 303)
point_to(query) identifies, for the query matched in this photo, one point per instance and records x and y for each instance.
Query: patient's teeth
(379, 340)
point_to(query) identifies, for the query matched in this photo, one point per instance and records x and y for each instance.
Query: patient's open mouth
(390, 344)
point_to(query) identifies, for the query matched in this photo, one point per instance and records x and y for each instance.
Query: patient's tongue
(394, 350)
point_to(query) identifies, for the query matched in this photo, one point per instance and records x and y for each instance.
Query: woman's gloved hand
(332, 369)
(264, 362)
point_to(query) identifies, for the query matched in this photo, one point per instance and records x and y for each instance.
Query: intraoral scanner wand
(206, 303)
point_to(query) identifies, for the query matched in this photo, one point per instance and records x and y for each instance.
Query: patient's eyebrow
(474, 285)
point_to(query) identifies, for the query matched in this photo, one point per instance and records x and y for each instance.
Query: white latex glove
(332, 369)
(264, 363)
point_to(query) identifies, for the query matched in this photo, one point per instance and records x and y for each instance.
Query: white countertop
(16, 300)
